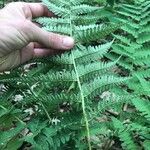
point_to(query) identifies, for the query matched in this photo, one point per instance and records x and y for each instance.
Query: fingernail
(68, 42)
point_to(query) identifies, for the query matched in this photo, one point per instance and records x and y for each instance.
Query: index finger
(39, 10)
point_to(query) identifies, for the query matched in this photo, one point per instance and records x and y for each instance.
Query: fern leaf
(58, 29)
(145, 28)
(143, 106)
(114, 100)
(91, 53)
(88, 71)
(122, 62)
(143, 38)
(146, 3)
(83, 54)
(123, 50)
(53, 100)
(86, 20)
(76, 2)
(123, 39)
(83, 9)
(130, 30)
(60, 11)
(61, 3)
(142, 53)
(126, 14)
(5, 136)
(144, 73)
(101, 84)
(136, 12)
(124, 135)
(52, 21)
(132, 7)
(96, 32)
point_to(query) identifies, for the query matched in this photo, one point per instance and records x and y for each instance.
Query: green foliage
(94, 97)
(132, 42)
(2, 3)
(111, 2)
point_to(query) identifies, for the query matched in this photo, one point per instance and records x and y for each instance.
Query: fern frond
(124, 135)
(145, 144)
(109, 102)
(96, 32)
(126, 14)
(6, 136)
(132, 7)
(140, 128)
(61, 3)
(58, 29)
(130, 30)
(143, 38)
(83, 54)
(142, 53)
(76, 2)
(146, 3)
(145, 21)
(83, 9)
(88, 71)
(45, 21)
(123, 39)
(49, 77)
(53, 100)
(146, 8)
(91, 53)
(145, 14)
(122, 62)
(101, 84)
(123, 50)
(145, 28)
(57, 10)
(86, 20)
(129, 10)
(143, 106)
(144, 73)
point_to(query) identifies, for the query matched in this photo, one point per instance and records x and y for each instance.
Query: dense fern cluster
(132, 43)
(77, 100)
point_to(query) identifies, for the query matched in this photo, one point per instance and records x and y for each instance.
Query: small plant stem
(41, 104)
(50, 120)
(81, 91)
(83, 102)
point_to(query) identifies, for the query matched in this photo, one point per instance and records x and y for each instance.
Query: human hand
(22, 40)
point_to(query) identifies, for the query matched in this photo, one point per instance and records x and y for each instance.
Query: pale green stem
(81, 91)
(83, 102)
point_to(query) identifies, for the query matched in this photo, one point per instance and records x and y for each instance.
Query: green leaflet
(124, 135)
(7, 136)
(143, 106)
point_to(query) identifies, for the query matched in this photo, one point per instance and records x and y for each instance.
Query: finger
(40, 52)
(27, 53)
(30, 52)
(39, 10)
(48, 39)
(37, 45)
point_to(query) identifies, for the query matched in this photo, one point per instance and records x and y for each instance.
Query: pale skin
(22, 40)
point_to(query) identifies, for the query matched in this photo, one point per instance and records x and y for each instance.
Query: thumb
(49, 39)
